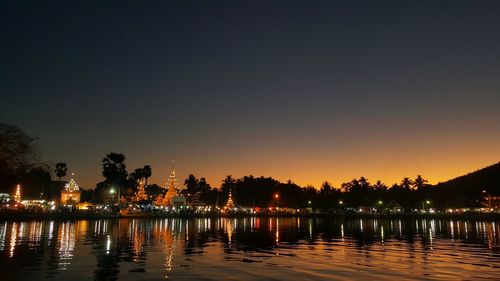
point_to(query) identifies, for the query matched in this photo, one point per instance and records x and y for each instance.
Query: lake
(250, 249)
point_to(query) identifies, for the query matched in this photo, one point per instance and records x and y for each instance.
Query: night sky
(302, 90)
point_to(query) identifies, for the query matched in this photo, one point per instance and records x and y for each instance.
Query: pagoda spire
(17, 195)
(171, 189)
(72, 186)
(230, 203)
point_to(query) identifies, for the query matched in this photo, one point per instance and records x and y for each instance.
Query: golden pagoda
(17, 195)
(230, 203)
(71, 193)
(171, 198)
(172, 184)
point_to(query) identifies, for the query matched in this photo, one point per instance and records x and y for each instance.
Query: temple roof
(71, 186)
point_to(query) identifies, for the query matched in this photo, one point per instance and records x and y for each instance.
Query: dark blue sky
(306, 90)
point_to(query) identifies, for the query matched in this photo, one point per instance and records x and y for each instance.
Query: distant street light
(425, 202)
(112, 192)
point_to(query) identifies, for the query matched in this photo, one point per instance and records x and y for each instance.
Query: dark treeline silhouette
(117, 178)
(464, 190)
(20, 164)
(409, 194)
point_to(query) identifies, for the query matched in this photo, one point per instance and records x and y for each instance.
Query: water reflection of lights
(431, 237)
(230, 230)
(277, 234)
(492, 236)
(310, 229)
(382, 234)
(187, 231)
(452, 230)
(145, 235)
(13, 239)
(51, 232)
(66, 244)
(35, 233)
(3, 234)
(108, 244)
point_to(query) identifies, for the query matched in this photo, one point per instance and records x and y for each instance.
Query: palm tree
(137, 174)
(146, 173)
(114, 170)
(419, 182)
(61, 170)
(406, 183)
(379, 185)
(228, 183)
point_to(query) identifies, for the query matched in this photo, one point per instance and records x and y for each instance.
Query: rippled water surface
(250, 249)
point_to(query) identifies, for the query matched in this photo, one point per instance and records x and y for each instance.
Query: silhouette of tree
(36, 181)
(61, 170)
(137, 174)
(419, 182)
(154, 190)
(406, 183)
(326, 188)
(380, 186)
(146, 173)
(114, 169)
(204, 189)
(17, 154)
(192, 190)
(228, 183)
(328, 196)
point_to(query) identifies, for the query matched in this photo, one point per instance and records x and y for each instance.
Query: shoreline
(16, 216)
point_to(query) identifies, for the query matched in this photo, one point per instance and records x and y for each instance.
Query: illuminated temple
(141, 192)
(171, 198)
(71, 193)
(230, 203)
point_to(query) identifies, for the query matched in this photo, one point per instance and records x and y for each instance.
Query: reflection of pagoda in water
(171, 198)
(71, 193)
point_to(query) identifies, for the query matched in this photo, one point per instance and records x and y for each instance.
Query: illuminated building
(4, 197)
(492, 202)
(141, 192)
(171, 198)
(230, 203)
(71, 193)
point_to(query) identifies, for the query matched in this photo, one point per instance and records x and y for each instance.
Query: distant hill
(470, 185)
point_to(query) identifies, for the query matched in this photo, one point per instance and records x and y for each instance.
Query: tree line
(20, 163)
